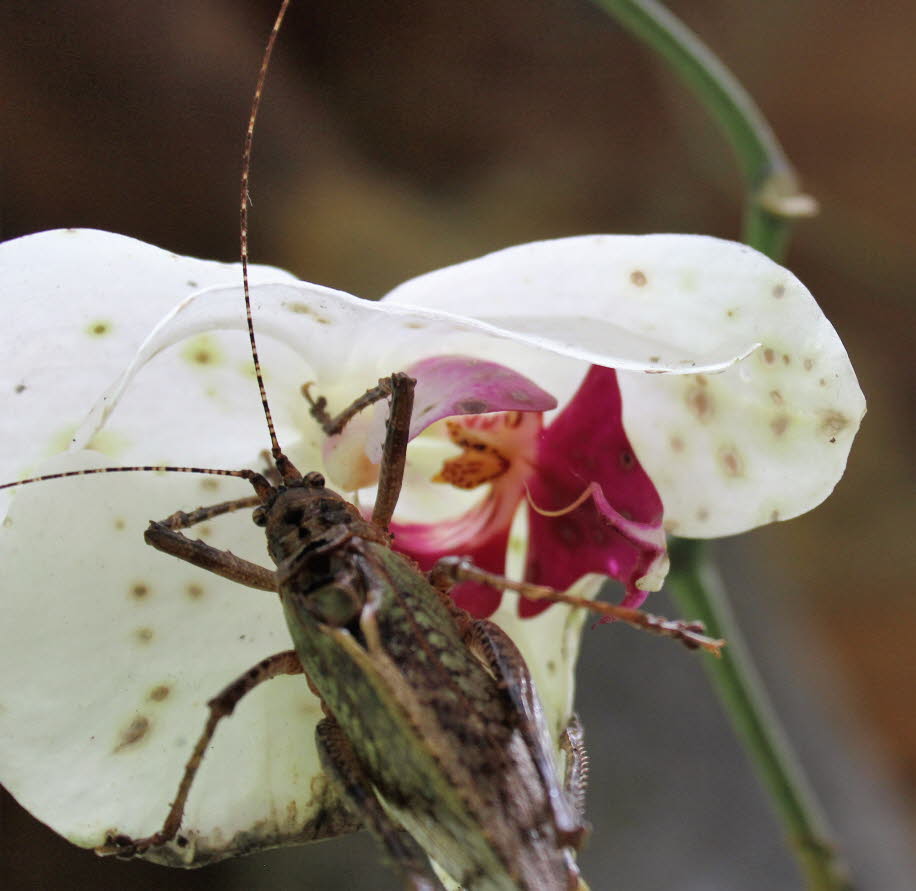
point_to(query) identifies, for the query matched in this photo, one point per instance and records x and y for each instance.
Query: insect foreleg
(400, 388)
(221, 706)
(334, 425)
(394, 451)
(182, 520)
(341, 764)
(164, 536)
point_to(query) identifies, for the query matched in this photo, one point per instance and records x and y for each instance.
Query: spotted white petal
(109, 651)
(79, 304)
(766, 438)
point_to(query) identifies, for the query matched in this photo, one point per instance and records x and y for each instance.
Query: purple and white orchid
(598, 390)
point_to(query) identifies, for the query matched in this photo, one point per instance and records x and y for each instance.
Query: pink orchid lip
(597, 510)
(462, 385)
(446, 386)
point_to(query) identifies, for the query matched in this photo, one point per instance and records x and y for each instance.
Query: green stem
(698, 591)
(773, 194)
(773, 199)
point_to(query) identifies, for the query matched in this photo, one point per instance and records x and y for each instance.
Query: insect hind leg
(499, 653)
(221, 706)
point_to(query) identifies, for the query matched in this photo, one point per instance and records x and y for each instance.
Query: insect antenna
(137, 468)
(287, 471)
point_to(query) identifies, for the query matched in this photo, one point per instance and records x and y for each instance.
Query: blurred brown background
(400, 136)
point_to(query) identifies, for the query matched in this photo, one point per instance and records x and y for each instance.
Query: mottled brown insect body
(417, 701)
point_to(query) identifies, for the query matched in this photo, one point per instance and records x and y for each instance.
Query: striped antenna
(284, 465)
(139, 468)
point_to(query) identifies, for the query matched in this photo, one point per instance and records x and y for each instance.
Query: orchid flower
(602, 389)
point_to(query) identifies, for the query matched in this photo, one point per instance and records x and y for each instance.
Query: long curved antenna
(138, 468)
(284, 465)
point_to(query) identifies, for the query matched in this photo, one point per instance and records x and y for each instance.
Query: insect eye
(259, 516)
(314, 479)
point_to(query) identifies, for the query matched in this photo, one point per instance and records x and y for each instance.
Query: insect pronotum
(442, 755)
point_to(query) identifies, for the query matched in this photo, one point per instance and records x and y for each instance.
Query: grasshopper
(433, 736)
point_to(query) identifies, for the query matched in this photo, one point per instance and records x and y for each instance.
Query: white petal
(79, 303)
(628, 302)
(109, 651)
(766, 439)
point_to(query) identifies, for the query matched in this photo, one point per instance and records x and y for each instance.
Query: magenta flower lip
(617, 531)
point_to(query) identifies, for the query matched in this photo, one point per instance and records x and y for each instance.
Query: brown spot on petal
(677, 444)
(702, 514)
(120, 523)
(808, 364)
(144, 635)
(769, 356)
(779, 291)
(194, 591)
(416, 326)
(786, 359)
(157, 694)
(822, 382)
(210, 483)
(779, 424)
(134, 732)
(139, 590)
(731, 461)
(98, 329)
(833, 422)
(701, 379)
(303, 309)
(638, 277)
(700, 403)
(776, 397)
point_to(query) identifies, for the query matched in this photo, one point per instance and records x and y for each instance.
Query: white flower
(109, 650)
